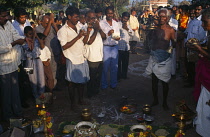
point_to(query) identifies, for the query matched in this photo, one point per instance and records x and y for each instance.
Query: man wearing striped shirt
(124, 47)
(9, 61)
(19, 24)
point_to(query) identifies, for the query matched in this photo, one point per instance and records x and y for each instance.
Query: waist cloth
(202, 120)
(77, 73)
(159, 64)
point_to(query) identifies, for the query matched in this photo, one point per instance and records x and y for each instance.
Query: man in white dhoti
(160, 62)
(77, 70)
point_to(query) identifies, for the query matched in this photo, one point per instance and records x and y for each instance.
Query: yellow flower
(131, 135)
(149, 127)
(141, 134)
(49, 125)
(41, 112)
(50, 135)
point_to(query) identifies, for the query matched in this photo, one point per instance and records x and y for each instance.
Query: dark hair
(31, 22)
(27, 29)
(132, 10)
(72, 10)
(199, 4)
(97, 10)
(184, 7)
(61, 11)
(64, 20)
(48, 14)
(125, 14)
(90, 11)
(169, 8)
(160, 7)
(41, 35)
(191, 7)
(3, 9)
(175, 6)
(109, 8)
(19, 11)
(58, 18)
(206, 13)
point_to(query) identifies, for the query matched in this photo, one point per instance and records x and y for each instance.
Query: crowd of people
(93, 49)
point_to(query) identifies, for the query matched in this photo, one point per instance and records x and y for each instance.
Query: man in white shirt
(124, 47)
(9, 61)
(19, 24)
(134, 24)
(94, 52)
(71, 40)
(110, 50)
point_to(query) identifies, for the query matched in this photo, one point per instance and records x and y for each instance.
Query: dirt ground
(137, 89)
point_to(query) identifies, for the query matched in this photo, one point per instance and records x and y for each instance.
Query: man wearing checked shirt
(110, 50)
(124, 47)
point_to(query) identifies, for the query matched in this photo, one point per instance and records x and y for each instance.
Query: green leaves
(21, 3)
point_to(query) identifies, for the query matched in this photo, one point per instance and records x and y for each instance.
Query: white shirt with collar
(94, 52)
(75, 53)
(9, 56)
(199, 17)
(19, 27)
(106, 28)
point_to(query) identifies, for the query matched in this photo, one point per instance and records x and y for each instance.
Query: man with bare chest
(159, 65)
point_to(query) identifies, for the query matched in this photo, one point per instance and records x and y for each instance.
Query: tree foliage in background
(171, 2)
(119, 5)
(21, 3)
(184, 2)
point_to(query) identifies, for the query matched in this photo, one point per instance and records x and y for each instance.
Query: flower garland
(49, 123)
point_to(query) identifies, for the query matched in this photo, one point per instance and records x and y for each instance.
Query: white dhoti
(162, 70)
(202, 120)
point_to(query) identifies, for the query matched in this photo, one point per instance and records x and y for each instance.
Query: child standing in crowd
(45, 58)
(34, 66)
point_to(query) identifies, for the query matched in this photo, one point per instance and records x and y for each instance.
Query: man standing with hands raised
(94, 52)
(71, 40)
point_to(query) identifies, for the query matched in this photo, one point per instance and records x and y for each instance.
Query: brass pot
(86, 115)
(147, 109)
